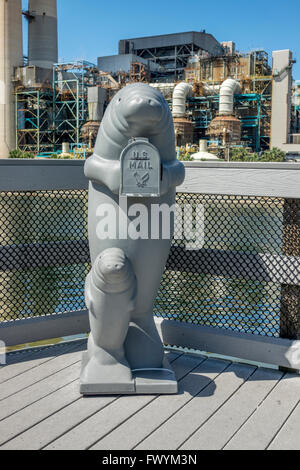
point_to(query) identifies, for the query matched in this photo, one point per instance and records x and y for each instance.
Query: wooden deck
(221, 405)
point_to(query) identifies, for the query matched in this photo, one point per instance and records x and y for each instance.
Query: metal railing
(242, 285)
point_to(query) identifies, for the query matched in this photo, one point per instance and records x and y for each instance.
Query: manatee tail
(143, 346)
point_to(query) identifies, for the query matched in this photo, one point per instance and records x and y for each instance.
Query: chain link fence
(41, 270)
(244, 278)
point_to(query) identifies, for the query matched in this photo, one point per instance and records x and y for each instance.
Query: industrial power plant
(218, 95)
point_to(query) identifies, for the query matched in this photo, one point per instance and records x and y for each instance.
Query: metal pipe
(211, 89)
(180, 94)
(228, 89)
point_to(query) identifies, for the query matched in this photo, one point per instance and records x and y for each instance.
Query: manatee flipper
(110, 293)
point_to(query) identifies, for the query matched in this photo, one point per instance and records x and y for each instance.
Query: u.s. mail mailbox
(140, 169)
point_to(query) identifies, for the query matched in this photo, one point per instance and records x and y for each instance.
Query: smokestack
(281, 98)
(11, 56)
(42, 33)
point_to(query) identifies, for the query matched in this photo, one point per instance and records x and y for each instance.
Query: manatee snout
(112, 271)
(143, 109)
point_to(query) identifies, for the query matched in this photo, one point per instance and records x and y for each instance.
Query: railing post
(290, 294)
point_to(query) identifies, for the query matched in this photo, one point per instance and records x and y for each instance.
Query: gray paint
(123, 283)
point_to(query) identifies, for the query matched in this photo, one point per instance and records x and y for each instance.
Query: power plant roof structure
(202, 40)
(172, 50)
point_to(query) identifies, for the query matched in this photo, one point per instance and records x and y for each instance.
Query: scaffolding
(252, 109)
(139, 72)
(251, 69)
(70, 108)
(33, 117)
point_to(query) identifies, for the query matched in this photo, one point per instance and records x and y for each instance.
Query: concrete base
(144, 381)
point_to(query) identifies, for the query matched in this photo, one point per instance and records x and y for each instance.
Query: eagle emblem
(141, 181)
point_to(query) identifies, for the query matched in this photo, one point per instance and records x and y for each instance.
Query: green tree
(243, 155)
(273, 155)
(17, 153)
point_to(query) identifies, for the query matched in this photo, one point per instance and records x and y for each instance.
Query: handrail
(276, 180)
(232, 178)
(41, 175)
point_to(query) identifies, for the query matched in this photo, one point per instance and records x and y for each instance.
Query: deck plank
(40, 372)
(288, 438)
(139, 426)
(33, 414)
(186, 421)
(103, 422)
(216, 432)
(259, 430)
(20, 362)
(220, 405)
(40, 389)
(47, 419)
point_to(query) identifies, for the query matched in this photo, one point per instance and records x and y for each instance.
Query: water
(238, 224)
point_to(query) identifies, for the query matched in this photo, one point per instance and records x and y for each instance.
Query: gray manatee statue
(135, 146)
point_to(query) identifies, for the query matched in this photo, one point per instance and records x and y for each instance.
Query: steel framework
(33, 114)
(252, 109)
(70, 109)
(172, 59)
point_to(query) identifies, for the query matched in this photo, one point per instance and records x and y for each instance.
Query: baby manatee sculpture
(134, 162)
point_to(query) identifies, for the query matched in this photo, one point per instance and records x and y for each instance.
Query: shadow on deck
(220, 405)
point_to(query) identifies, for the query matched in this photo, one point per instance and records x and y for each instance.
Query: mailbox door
(140, 169)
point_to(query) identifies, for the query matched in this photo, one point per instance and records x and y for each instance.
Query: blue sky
(90, 28)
